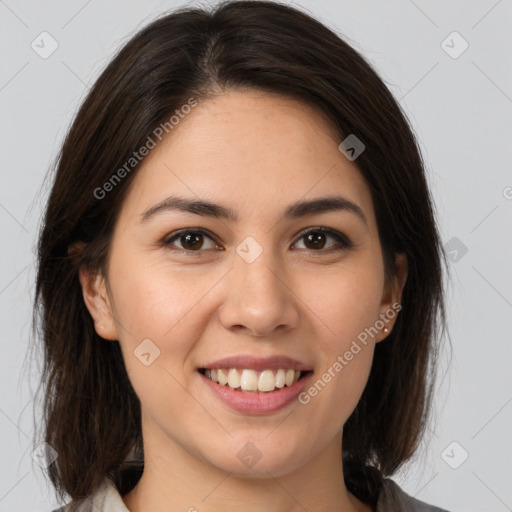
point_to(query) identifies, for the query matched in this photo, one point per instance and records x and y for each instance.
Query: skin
(256, 153)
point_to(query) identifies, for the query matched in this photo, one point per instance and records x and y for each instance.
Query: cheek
(155, 300)
(336, 388)
(160, 312)
(347, 302)
(161, 329)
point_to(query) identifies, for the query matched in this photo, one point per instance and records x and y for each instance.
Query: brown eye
(315, 239)
(190, 240)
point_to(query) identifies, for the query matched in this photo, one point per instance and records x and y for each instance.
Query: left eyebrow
(294, 211)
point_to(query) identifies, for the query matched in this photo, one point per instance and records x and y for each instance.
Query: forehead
(249, 150)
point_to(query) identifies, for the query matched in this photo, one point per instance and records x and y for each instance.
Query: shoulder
(105, 499)
(393, 499)
(85, 505)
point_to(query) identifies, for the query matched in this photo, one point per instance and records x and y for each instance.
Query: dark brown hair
(91, 412)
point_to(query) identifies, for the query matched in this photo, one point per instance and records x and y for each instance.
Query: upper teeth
(248, 380)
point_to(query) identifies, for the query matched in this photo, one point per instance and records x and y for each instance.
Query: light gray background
(461, 110)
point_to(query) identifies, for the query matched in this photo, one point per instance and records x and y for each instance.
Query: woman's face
(265, 284)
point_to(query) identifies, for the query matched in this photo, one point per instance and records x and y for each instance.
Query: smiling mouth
(247, 380)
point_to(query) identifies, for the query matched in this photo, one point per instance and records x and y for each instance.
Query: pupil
(190, 237)
(315, 238)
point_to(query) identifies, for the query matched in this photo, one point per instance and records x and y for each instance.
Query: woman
(240, 275)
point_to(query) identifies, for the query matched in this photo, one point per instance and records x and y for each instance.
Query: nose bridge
(257, 271)
(258, 297)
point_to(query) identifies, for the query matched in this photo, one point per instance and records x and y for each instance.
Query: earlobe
(391, 303)
(98, 303)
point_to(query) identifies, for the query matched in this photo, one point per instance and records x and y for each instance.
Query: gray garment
(391, 499)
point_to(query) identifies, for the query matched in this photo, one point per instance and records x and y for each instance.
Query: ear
(96, 298)
(392, 297)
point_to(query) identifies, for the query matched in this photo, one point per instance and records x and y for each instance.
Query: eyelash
(340, 238)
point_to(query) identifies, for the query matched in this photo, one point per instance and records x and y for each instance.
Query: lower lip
(257, 403)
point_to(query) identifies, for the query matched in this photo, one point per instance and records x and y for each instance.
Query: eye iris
(314, 238)
(189, 237)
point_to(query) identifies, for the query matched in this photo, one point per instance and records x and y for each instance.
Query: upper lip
(258, 363)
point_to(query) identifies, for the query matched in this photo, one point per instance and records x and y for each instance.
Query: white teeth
(280, 378)
(266, 381)
(249, 380)
(223, 378)
(233, 378)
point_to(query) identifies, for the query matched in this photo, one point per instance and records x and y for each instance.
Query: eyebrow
(293, 211)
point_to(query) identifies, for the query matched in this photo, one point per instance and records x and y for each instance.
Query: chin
(257, 458)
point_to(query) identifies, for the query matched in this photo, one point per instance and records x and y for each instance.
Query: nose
(259, 298)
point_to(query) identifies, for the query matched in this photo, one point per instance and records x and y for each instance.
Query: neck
(176, 480)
